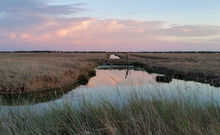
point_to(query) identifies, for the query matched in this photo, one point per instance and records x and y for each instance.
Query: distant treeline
(183, 52)
(109, 52)
(53, 52)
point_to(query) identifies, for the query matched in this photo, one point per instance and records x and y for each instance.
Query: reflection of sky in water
(117, 78)
(112, 86)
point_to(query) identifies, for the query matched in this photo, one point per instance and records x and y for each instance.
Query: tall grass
(187, 62)
(137, 116)
(25, 72)
(201, 67)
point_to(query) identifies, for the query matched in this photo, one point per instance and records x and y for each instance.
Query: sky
(110, 25)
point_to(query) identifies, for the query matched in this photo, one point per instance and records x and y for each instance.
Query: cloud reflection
(117, 78)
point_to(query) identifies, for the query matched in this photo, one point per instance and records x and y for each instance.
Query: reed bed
(206, 63)
(201, 67)
(25, 72)
(137, 116)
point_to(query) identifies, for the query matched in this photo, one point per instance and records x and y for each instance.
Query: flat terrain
(25, 72)
(22, 72)
(36, 71)
(202, 67)
(196, 62)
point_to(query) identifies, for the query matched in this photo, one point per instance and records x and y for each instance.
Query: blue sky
(176, 11)
(110, 25)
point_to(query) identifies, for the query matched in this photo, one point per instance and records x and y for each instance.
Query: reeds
(24, 72)
(197, 62)
(200, 67)
(137, 116)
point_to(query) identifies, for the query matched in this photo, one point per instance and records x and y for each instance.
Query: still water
(115, 84)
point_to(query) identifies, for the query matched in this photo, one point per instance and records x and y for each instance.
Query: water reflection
(115, 85)
(121, 77)
(30, 98)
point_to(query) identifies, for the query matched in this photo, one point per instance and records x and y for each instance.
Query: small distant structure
(113, 56)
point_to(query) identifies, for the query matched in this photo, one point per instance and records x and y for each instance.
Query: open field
(24, 72)
(202, 67)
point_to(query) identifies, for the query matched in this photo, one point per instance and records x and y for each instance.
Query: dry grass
(200, 67)
(196, 62)
(21, 72)
(137, 116)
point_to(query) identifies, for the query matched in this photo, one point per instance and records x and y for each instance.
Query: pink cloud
(121, 35)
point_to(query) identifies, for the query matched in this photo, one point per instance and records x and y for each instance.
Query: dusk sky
(110, 25)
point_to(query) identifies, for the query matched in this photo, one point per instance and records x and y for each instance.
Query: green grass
(137, 116)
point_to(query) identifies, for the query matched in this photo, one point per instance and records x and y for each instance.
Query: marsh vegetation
(25, 72)
(165, 105)
(201, 67)
(138, 116)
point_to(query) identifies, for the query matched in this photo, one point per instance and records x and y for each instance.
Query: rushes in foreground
(138, 116)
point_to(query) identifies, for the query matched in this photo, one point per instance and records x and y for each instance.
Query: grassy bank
(25, 72)
(201, 67)
(138, 116)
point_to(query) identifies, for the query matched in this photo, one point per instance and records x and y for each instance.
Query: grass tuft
(137, 116)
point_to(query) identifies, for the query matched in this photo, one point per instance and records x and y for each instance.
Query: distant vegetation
(201, 67)
(53, 52)
(45, 51)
